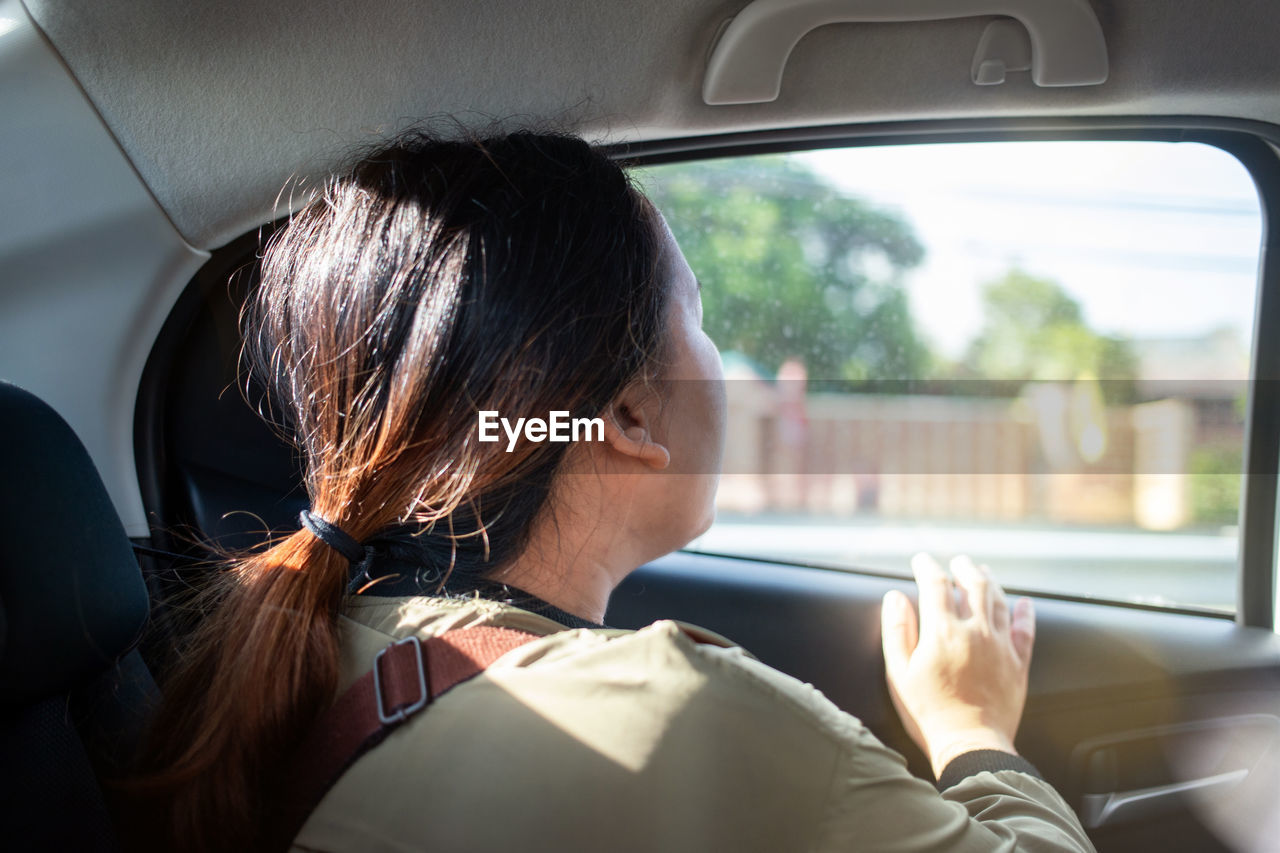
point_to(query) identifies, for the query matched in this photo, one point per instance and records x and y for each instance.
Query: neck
(572, 564)
(594, 532)
(586, 598)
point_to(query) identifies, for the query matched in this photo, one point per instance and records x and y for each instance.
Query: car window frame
(1255, 144)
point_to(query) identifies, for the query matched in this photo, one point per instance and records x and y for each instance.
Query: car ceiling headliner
(218, 105)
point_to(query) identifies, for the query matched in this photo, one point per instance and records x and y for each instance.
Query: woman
(523, 275)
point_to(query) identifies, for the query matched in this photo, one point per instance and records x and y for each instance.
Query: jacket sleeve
(874, 803)
(865, 798)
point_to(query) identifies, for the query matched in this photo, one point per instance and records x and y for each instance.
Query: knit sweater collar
(394, 567)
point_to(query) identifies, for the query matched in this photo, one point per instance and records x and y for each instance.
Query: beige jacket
(610, 740)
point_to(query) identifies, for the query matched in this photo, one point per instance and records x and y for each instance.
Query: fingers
(975, 594)
(976, 587)
(935, 589)
(999, 604)
(985, 598)
(1023, 629)
(899, 632)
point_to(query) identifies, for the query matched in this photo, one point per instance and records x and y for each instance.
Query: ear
(628, 430)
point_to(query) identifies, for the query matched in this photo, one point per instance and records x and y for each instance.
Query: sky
(1153, 239)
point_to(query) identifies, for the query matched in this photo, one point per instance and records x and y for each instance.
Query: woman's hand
(958, 675)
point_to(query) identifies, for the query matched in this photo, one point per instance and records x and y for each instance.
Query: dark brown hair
(514, 273)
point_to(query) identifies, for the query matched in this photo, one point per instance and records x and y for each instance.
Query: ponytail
(259, 667)
(434, 279)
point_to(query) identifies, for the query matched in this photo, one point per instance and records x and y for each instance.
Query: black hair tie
(333, 536)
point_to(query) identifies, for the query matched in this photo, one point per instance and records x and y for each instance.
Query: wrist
(945, 747)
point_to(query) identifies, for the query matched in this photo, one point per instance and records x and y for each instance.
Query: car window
(1036, 353)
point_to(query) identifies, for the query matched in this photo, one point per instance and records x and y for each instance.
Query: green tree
(1214, 485)
(1032, 329)
(790, 266)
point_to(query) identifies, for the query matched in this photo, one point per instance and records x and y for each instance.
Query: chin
(709, 518)
(690, 533)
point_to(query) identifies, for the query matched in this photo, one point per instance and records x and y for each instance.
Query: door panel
(1160, 728)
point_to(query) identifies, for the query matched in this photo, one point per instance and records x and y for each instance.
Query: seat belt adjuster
(403, 710)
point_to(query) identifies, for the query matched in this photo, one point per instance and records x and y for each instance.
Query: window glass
(1035, 353)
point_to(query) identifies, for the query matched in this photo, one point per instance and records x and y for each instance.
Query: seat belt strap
(406, 677)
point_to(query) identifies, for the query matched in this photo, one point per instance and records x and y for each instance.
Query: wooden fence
(1055, 454)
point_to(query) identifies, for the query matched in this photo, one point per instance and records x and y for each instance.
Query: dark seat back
(73, 603)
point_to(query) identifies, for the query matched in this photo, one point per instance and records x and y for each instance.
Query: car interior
(152, 148)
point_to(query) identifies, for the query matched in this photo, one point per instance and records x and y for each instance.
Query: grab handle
(1067, 46)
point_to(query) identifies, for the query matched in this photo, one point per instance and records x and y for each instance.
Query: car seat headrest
(70, 589)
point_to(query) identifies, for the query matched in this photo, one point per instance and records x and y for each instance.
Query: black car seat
(73, 694)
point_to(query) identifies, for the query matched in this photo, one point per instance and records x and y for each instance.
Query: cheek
(714, 406)
(715, 388)
(719, 408)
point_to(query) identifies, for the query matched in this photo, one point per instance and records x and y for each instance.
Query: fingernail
(923, 559)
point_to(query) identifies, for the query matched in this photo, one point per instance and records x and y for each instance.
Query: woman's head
(519, 274)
